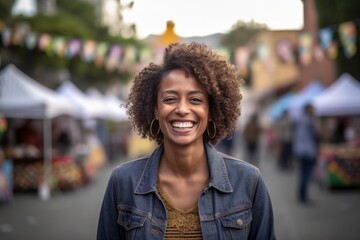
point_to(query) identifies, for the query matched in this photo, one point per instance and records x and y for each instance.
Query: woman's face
(182, 109)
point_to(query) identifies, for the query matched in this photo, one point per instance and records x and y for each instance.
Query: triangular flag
(305, 48)
(73, 48)
(31, 40)
(284, 51)
(348, 33)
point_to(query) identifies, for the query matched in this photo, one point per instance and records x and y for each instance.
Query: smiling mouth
(182, 125)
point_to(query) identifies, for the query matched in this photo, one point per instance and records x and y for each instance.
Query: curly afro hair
(218, 77)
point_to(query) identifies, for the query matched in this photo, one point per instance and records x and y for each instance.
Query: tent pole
(45, 187)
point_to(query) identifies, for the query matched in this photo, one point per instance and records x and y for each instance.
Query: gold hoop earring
(208, 131)
(151, 127)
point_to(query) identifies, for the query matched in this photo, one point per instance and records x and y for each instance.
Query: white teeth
(182, 124)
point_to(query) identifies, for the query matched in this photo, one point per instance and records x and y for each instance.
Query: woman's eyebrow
(176, 92)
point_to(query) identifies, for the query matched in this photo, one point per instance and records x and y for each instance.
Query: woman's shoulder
(237, 164)
(131, 165)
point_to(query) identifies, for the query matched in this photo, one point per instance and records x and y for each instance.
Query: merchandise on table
(342, 164)
(66, 174)
(6, 176)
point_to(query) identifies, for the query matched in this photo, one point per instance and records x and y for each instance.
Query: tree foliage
(5, 9)
(331, 13)
(84, 11)
(241, 33)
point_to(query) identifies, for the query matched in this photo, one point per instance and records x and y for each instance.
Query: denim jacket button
(239, 222)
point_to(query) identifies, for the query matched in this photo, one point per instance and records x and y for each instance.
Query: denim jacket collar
(218, 173)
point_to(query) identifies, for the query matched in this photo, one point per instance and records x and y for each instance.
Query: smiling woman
(186, 188)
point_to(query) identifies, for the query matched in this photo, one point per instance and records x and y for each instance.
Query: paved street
(67, 215)
(74, 214)
(333, 215)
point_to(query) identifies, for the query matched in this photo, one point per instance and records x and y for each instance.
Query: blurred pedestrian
(61, 141)
(28, 135)
(306, 144)
(186, 188)
(284, 132)
(252, 133)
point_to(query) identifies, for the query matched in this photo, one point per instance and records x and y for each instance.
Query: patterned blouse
(181, 224)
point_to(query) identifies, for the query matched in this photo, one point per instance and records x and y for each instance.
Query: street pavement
(333, 215)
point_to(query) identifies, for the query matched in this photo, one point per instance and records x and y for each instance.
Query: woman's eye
(196, 100)
(169, 100)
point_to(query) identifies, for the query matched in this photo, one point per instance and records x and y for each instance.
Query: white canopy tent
(342, 98)
(304, 97)
(86, 108)
(23, 97)
(111, 105)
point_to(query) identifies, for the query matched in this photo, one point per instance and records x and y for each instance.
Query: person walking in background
(186, 189)
(252, 133)
(61, 141)
(284, 132)
(306, 144)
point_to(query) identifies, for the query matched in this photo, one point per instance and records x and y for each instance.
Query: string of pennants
(117, 57)
(101, 53)
(307, 48)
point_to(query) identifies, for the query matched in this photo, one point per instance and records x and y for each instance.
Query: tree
(5, 9)
(331, 13)
(241, 33)
(82, 10)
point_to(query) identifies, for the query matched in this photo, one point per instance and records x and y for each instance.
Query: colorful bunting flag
(325, 37)
(145, 54)
(45, 42)
(333, 50)
(88, 51)
(19, 33)
(31, 40)
(112, 62)
(327, 42)
(100, 53)
(263, 51)
(284, 51)
(224, 51)
(129, 55)
(6, 36)
(305, 48)
(242, 59)
(319, 55)
(73, 48)
(59, 46)
(347, 31)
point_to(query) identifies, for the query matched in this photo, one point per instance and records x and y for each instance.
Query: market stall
(23, 98)
(340, 165)
(339, 158)
(92, 113)
(6, 167)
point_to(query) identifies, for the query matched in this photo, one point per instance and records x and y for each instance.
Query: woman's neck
(183, 161)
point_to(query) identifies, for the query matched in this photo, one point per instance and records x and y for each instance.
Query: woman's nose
(182, 108)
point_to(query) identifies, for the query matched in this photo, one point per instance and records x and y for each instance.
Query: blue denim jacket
(234, 205)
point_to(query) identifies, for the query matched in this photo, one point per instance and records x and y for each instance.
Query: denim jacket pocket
(237, 224)
(130, 220)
